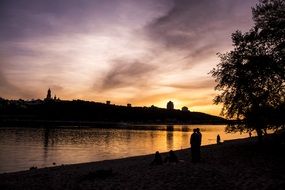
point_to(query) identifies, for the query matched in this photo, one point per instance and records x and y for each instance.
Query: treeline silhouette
(85, 112)
(251, 77)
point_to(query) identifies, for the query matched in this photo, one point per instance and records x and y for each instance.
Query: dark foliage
(252, 76)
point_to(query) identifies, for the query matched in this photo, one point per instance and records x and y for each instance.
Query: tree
(252, 75)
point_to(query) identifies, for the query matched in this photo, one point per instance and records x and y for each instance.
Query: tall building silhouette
(170, 105)
(48, 95)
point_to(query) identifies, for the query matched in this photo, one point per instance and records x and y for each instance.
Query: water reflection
(46, 141)
(22, 148)
(185, 128)
(169, 137)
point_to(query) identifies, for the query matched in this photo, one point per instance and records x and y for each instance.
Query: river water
(22, 148)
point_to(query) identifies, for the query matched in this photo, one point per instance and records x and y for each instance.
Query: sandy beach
(236, 164)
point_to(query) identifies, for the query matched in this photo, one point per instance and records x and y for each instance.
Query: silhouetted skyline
(138, 52)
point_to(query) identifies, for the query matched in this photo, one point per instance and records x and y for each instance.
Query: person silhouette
(171, 158)
(157, 159)
(218, 139)
(194, 143)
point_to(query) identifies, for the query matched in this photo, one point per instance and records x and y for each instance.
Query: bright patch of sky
(139, 52)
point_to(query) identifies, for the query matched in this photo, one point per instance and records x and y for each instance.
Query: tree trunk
(259, 135)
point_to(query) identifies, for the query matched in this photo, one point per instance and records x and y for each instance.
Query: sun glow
(97, 53)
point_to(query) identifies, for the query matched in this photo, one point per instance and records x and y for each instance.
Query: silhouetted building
(48, 95)
(108, 102)
(170, 105)
(129, 105)
(184, 108)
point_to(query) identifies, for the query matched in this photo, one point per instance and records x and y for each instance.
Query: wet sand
(236, 164)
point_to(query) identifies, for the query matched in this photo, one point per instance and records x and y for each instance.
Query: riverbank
(236, 164)
(33, 123)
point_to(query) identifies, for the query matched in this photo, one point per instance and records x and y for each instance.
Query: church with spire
(49, 96)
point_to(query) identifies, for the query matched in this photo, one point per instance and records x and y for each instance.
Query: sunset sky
(143, 52)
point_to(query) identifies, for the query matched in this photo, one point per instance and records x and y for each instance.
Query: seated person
(171, 158)
(157, 159)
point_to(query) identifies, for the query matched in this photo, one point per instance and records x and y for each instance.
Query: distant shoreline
(235, 164)
(94, 124)
(79, 112)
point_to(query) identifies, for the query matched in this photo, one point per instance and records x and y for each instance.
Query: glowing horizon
(139, 52)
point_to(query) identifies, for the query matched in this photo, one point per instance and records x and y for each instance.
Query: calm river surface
(21, 148)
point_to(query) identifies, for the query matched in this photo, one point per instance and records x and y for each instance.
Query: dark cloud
(125, 73)
(35, 18)
(199, 25)
(200, 28)
(206, 83)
